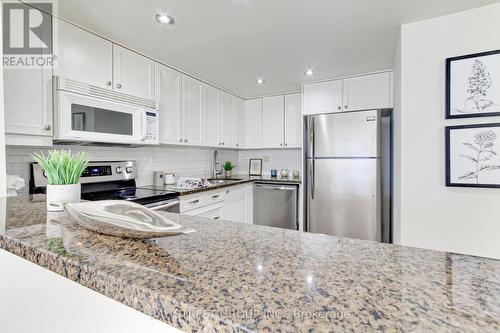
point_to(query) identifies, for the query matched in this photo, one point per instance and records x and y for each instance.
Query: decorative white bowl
(122, 218)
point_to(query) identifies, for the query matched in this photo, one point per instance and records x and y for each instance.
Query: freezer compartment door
(343, 199)
(352, 134)
(275, 205)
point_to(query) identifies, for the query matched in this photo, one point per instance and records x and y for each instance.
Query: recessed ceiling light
(260, 81)
(164, 19)
(309, 72)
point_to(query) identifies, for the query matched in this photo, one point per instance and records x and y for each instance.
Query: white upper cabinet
(193, 108)
(211, 116)
(323, 97)
(273, 120)
(367, 92)
(253, 123)
(84, 57)
(133, 73)
(239, 109)
(293, 121)
(169, 94)
(228, 131)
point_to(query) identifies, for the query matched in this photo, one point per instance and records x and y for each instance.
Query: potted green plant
(63, 170)
(228, 169)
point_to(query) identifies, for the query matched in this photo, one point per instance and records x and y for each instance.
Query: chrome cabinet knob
(47, 127)
(286, 144)
(346, 106)
(223, 143)
(108, 83)
(118, 170)
(339, 107)
(281, 144)
(185, 140)
(119, 86)
(128, 170)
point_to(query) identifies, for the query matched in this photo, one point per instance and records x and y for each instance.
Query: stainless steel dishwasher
(275, 205)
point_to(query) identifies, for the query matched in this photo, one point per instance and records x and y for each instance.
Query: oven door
(84, 118)
(171, 206)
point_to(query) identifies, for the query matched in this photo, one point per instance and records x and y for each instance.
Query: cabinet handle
(108, 83)
(346, 106)
(185, 140)
(281, 144)
(286, 144)
(47, 127)
(215, 196)
(223, 143)
(180, 140)
(194, 201)
(339, 107)
(237, 145)
(119, 86)
(217, 217)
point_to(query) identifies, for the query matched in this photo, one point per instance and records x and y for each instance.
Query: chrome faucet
(216, 169)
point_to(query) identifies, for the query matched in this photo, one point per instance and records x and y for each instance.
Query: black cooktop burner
(139, 195)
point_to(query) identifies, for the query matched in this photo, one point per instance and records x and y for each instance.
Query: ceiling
(231, 43)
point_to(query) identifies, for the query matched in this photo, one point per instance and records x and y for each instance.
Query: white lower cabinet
(232, 203)
(235, 204)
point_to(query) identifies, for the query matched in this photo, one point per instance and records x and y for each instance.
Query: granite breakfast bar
(232, 277)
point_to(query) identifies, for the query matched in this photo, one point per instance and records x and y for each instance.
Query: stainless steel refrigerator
(348, 174)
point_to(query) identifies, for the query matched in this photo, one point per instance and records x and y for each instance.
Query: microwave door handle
(144, 123)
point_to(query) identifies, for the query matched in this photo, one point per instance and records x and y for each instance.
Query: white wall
(463, 220)
(183, 161)
(2, 121)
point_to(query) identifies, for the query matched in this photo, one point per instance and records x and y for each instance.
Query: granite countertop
(232, 277)
(233, 181)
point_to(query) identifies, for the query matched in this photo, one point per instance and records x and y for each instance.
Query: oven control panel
(96, 172)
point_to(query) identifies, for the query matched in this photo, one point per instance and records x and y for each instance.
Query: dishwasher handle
(276, 188)
(163, 205)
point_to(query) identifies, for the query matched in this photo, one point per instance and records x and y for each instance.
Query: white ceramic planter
(57, 195)
(229, 173)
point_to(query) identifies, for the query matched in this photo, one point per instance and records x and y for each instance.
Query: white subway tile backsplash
(183, 161)
(278, 159)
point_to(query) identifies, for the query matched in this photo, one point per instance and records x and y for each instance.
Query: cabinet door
(273, 121)
(84, 57)
(323, 97)
(253, 123)
(33, 115)
(239, 108)
(193, 106)
(235, 204)
(211, 116)
(367, 92)
(293, 121)
(133, 73)
(228, 131)
(168, 92)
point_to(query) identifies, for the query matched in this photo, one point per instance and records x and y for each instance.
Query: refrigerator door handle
(312, 176)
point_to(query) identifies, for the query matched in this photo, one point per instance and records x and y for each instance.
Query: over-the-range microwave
(89, 119)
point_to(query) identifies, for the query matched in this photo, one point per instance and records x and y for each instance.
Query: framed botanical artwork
(255, 167)
(473, 85)
(473, 155)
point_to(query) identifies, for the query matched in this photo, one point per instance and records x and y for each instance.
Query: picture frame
(473, 155)
(255, 167)
(473, 85)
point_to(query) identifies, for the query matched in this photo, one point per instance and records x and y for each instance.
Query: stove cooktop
(139, 195)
